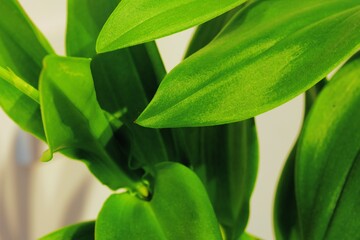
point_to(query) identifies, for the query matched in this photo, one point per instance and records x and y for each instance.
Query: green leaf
(22, 46)
(76, 125)
(247, 236)
(286, 223)
(225, 157)
(269, 53)
(21, 102)
(228, 168)
(179, 209)
(124, 85)
(80, 231)
(84, 21)
(135, 22)
(328, 164)
(206, 32)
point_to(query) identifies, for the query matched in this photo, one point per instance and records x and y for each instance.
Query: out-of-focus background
(37, 198)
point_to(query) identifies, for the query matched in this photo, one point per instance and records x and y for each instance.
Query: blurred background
(37, 198)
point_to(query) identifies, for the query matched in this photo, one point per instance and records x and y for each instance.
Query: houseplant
(263, 54)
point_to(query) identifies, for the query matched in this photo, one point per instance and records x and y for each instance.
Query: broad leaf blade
(124, 85)
(327, 163)
(84, 21)
(269, 53)
(21, 102)
(135, 22)
(178, 209)
(80, 231)
(76, 125)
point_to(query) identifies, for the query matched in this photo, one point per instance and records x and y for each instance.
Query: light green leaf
(85, 19)
(269, 53)
(327, 171)
(76, 125)
(247, 236)
(178, 209)
(21, 102)
(22, 48)
(135, 22)
(286, 223)
(80, 231)
(124, 85)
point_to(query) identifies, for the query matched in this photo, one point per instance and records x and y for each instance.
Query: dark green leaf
(125, 84)
(228, 167)
(84, 21)
(21, 102)
(179, 209)
(269, 53)
(81, 231)
(135, 22)
(76, 125)
(327, 167)
(206, 32)
(286, 217)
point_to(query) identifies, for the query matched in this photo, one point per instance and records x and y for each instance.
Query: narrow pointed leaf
(85, 19)
(286, 216)
(80, 231)
(123, 85)
(228, 170)
(135, 22)
(21, 102)
(327, 165)
(269, 53)
(179, 209)
(74, 122)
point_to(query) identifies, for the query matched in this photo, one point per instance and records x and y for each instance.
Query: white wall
(57, 186)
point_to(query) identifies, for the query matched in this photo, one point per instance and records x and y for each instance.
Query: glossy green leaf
(135, 22)
(124, 85)
(80, 231)
(178, 209)
(286, 224)
(76, 125)
(327, 171)
(85, 19)
(22, 48)
(270, 52)
(21, 102)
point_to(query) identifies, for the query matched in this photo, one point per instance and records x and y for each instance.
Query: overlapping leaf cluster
(191, 175)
